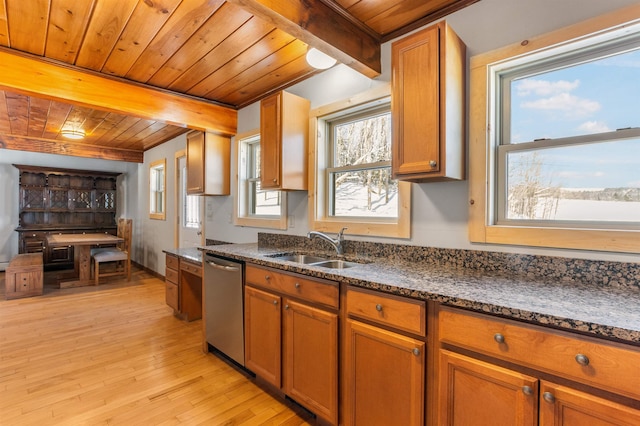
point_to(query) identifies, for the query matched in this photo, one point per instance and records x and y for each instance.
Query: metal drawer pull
(416, 351)
(275, 302)
(267, 277)
(297, 285)
(379, 307)
(582, 359)
(527, 390)
(286, 307)
(548, 396)
(498, 338)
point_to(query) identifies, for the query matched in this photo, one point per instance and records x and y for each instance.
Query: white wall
(9, 198)
(439, 210)
(155, 235)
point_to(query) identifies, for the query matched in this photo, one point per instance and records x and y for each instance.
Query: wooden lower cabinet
(385, 373)
(481, 392)
(290, 342)
(262, 333)
(564, 406)
(477, 393)
(183, 288)
(311, 358)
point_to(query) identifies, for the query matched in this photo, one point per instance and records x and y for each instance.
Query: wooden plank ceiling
(228, 53)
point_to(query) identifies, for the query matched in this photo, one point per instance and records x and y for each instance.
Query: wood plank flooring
(115, 355)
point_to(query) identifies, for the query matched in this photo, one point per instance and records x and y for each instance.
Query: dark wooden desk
(82, 253)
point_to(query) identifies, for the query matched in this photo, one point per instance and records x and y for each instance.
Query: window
(353, 183)
(157, 192)
(190, 204)
(562, 154)
(255, 207)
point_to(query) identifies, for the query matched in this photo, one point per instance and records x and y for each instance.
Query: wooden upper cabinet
(427, 105)
(208, 163)
(284, 133)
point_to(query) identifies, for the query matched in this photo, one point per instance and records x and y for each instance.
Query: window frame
(241, 213)
(319, 218)
(484, 130)
(158, 210)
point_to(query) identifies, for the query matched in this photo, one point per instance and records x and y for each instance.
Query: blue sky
(595, 97)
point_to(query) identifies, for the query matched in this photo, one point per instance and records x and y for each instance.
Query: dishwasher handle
(223, 267)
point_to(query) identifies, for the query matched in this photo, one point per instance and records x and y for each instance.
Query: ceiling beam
(75, 149)
(44, 78)
(324, 28)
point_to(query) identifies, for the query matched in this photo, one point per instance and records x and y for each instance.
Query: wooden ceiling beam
(42, 78)
(75, 149)
(322, 27)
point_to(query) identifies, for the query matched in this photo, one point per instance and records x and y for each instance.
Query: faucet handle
(341, 234)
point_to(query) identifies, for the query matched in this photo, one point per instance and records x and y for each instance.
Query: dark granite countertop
(190, 253)
(604, 311)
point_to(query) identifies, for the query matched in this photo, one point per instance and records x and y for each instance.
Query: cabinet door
(270, 141)
(311, 358)
(416, 105)
(262, 334)
(562, 406)
(473, 392)
(385, 375)
(195, 162)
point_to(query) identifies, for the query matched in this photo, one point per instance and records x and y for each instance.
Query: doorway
(190, 214)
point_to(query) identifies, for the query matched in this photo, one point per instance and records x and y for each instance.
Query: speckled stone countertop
(603, 305)
(190, 253)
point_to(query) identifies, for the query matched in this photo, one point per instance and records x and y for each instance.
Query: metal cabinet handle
(433, 163)
(297, 285)
(286, 307)
(548, 396)
(379, 307)
(267, 277)
(498, 337)
(527, 390)
(416, 351)
(275, 302)
(582, 359)
(275, 180)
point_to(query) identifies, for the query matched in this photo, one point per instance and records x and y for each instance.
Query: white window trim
(318, 217)
(482, 138)
(240, 209)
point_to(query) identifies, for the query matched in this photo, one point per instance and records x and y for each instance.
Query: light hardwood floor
(115, 355)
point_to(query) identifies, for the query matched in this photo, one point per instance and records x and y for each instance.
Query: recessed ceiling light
(319, 60)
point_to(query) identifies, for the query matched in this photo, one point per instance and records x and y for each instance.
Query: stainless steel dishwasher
(223, 300)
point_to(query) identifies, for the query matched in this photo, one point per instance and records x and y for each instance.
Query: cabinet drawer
(397, 312)
(609, 366)
(171, 275)
(172, 262)
(318, 291)
(171, 295)
(191, 268)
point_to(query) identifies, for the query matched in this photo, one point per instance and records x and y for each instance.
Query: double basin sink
(312, 260)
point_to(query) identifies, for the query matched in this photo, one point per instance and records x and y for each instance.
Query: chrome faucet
(335, 242)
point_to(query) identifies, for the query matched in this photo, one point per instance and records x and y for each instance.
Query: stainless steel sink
(312, 260)
(301, 258)
(336, 264)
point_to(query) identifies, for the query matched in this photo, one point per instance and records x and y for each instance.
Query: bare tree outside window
(361, 172)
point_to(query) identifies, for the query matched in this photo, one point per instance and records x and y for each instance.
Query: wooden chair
(121, 254)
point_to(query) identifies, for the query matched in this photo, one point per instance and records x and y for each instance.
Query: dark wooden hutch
(63, 201)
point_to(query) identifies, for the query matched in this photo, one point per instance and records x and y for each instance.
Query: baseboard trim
(149, 271)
